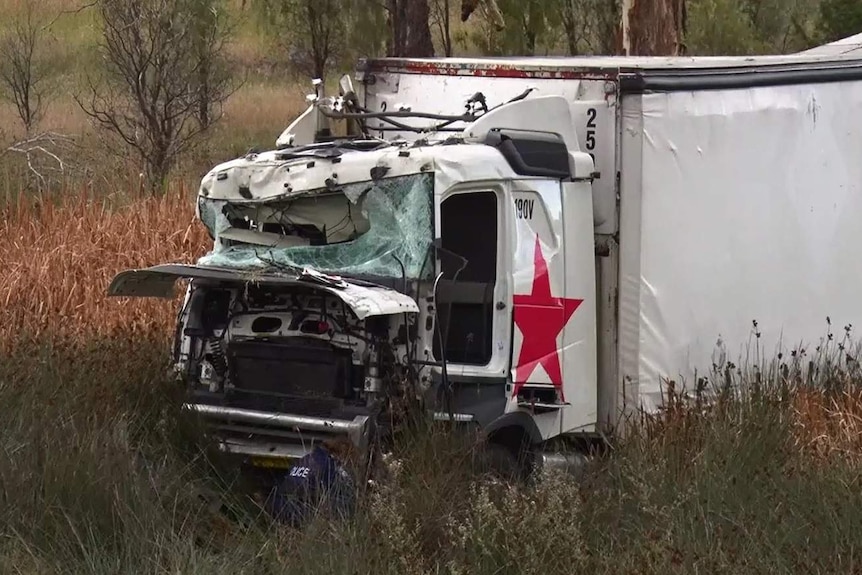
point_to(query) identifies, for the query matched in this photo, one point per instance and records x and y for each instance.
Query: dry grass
(265, 107)
(828, 426)
(60, 256)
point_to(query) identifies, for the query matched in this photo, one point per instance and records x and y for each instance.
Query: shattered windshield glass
(364, 229)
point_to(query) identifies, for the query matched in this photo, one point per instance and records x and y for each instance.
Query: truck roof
(278, 175)
(647, 73)
(848, 47)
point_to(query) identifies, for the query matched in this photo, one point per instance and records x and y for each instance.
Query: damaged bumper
(273, 439)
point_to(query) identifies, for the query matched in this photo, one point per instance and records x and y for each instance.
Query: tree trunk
(447, 30)
(204, 95)
(409, 29)
(569, 27)
(653, 27)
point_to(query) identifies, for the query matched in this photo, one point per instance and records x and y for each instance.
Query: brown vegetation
(60, 256)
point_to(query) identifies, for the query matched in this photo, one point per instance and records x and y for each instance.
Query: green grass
(99, 473)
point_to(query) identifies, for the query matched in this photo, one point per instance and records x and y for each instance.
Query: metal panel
(750, 209)
(356, 428)
(628, 318)
(158, 281)
(567, 68)
(608, 395)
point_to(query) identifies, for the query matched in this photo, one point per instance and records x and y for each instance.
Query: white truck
(531, 247)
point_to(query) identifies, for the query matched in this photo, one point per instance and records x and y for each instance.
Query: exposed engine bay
(295, 350)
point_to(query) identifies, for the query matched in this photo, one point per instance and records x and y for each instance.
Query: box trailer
(531, 246)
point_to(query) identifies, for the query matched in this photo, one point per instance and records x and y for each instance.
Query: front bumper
(269, 438)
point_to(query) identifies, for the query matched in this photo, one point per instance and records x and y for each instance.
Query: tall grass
(100, 472)
(60, 255)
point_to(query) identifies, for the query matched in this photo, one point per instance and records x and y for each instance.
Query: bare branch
(24, 74)
(165, 78)
(440, 18)
(41, 152)
(62, 13)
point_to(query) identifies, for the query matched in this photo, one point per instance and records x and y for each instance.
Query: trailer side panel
(747, 227)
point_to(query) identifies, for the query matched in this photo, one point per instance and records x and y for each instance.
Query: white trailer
(609, 224)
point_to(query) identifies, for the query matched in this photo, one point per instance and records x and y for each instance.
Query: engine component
(208, 376)
(217, 356)
(373, 381)
(213, 368)
(293, 374)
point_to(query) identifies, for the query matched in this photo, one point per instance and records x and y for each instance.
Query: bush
(100, 473)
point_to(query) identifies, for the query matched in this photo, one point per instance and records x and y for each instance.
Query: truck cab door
(518, 318)
(473, 302)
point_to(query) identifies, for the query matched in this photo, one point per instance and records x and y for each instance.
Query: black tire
(498, 461)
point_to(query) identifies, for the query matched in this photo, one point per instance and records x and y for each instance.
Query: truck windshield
(370, 228)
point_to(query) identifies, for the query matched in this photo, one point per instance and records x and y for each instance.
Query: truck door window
(465, 302)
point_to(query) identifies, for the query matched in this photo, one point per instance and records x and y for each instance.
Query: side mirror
(346, 85)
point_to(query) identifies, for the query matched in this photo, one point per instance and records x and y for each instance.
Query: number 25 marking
(591, 131)
(382, 133)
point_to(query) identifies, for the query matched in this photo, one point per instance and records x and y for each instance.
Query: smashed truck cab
(351, 278)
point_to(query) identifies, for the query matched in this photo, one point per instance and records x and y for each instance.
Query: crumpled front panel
(397, 209)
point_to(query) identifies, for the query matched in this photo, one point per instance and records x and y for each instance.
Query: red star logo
(541, 317)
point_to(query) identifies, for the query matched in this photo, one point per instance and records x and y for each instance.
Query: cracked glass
(377, 228)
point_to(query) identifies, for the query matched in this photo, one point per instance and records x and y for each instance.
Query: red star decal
(541, 317)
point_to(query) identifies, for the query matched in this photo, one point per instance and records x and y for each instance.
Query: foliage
(537, 27)
(744, 27)
(719, 27)
(265, 49)
(528, 28)
(714, 27)
(441, 23)
(840, 19)
(366, 30)
(589, 26)
(312, 32)
(25, 73)
(209, 35)
(163, 79)
(320, 37)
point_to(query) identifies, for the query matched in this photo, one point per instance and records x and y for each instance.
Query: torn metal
(364, 300)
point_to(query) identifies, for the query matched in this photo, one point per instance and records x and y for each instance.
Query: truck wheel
(498, 461)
